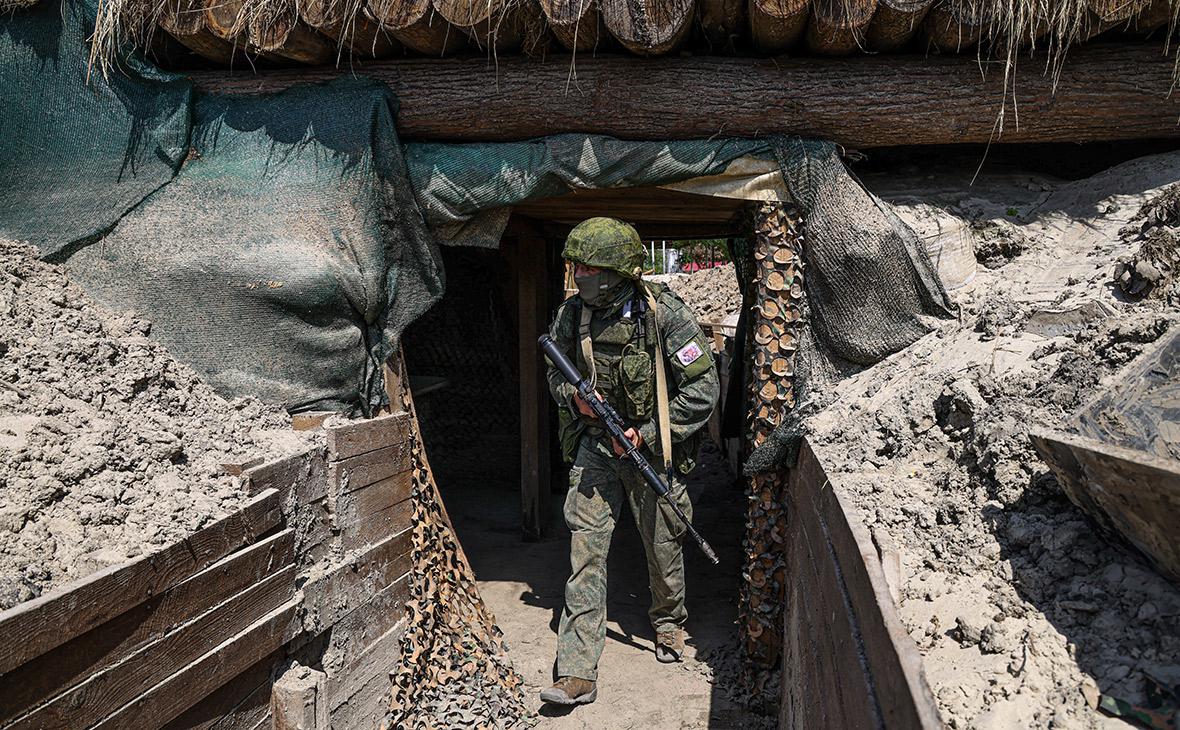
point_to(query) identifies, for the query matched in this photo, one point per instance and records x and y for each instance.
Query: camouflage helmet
(606, 243)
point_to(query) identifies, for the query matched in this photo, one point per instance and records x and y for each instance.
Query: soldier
(614, 330)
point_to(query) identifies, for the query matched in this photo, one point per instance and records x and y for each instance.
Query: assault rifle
(615, 428)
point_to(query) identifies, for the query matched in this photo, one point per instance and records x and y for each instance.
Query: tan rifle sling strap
(665, 420)
(587, 345)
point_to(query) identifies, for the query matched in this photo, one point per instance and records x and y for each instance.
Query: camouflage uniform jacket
(624, 347)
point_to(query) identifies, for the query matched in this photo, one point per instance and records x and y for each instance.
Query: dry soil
(1022, 610)
(109, 448)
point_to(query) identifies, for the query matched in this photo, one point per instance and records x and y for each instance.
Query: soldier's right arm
(564, 333)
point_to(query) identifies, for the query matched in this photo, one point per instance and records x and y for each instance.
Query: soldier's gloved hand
(633, 436)
(583, 407)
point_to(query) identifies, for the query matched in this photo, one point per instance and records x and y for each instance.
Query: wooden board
(359, 693)
(239, 704)
(37, 626)
(113, 641)
(369, 515)
(1132, 493)
(1142, 409)
(532, 288)
(848, 661)
(165, 701)
(368, 468)
(361, 437)
(359, 629)
(299, 479)
(104, 693)
(328, 598)
(1106, 92)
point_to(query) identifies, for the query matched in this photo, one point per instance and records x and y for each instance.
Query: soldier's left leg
(663, 536)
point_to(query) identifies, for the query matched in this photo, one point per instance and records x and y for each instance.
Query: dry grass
(1018, 31)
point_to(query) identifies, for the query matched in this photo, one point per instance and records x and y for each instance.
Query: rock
(965, 632)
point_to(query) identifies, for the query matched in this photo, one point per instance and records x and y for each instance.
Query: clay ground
(523, 585)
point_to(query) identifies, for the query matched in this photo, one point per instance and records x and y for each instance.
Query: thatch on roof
(320, 31)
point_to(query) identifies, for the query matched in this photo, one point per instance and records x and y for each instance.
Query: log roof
(344, 32)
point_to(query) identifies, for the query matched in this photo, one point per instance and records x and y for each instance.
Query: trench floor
(523, 584)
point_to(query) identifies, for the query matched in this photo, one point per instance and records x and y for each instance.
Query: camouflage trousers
(599, 481)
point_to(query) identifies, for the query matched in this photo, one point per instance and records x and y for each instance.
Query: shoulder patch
(690, 353)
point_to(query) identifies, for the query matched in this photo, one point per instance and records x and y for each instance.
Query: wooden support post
(532, 318)
(299, 701)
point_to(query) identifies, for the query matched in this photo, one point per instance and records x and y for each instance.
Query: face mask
(601, 288)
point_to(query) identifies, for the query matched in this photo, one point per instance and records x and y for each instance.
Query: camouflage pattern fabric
(693, 381)
(1162, 710)
(624, 348)
(606, 243)
(598, 484)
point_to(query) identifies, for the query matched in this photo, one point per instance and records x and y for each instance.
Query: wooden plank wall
(1129, 492)
(847, 659)
(314, 567)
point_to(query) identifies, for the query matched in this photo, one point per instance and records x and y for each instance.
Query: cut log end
(648, 27)
(895, 23)
(837, 27)
(777, 25)
(576, 24)
(954, 26)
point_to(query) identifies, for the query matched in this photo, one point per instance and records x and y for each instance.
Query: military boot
(669, 646)
(570, 691)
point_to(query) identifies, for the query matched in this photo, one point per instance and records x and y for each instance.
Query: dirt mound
(1022, 610)
(109, 448)
(1153, 269)
(712, 293)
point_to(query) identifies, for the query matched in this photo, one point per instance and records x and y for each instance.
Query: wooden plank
(368, 468)
(359, 629)
(1132, 493)
(310, 420)
(370, 515)
(34, 627)
(182, 690)
(105, 645)
(299, 479)
(359, 695)
(378, 659)
(239, 704)
(655, 207)
(299, 700)
(1106, 92)
(848, 661)
(892, 658)
(824, 683)
(532, 320)
(105, 692)
(330, 597)
(361, 437)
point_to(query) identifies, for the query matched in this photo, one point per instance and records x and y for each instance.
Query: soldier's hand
(583, 407)
(633, 436)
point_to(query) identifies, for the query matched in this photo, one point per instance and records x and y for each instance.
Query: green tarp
(281, 244)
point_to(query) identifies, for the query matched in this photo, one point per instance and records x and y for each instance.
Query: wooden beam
(532, 320)
(37, 626)
(114, 641)
(1106, 92)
